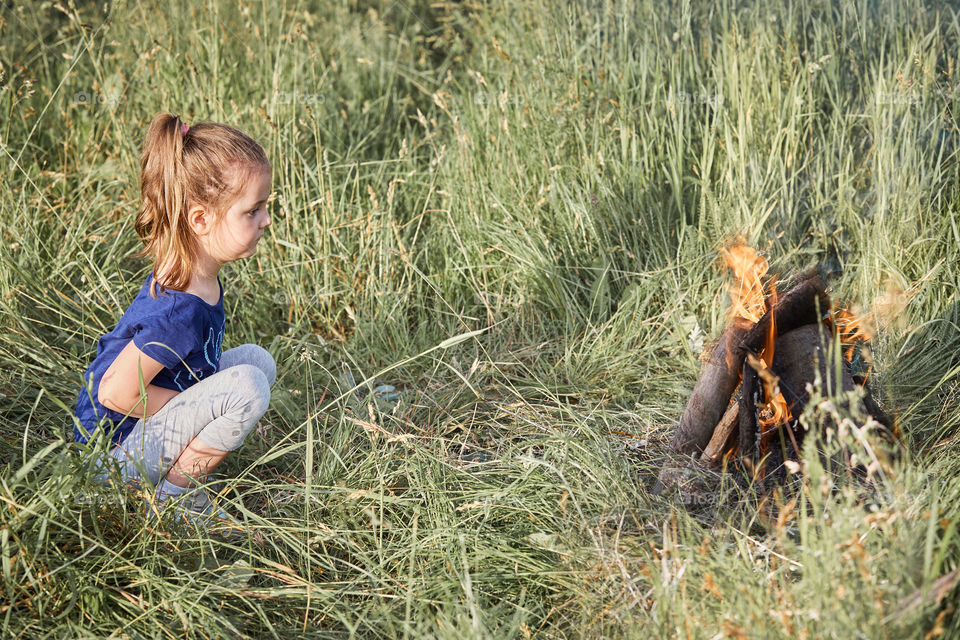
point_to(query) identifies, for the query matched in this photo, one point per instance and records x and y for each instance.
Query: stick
(748, 412)
(940, 588)
(721, 434)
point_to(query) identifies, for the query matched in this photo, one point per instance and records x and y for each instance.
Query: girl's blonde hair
(206, 164)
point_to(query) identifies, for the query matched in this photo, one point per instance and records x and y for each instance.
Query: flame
(768, 345)
(853, 326)
(851, 329)
(748, 304)
(747, 291)
(774, 410)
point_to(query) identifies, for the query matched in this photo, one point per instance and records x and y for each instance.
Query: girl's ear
(199, 219)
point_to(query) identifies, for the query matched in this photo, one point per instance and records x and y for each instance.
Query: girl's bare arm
(120, 386)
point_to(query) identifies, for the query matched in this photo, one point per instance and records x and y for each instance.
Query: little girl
(204, 190)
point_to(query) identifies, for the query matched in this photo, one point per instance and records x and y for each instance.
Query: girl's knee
(249, 393)
(266, 363)
(251, 354)
(253, 387)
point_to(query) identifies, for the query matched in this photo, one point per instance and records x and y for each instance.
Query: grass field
(511, 211)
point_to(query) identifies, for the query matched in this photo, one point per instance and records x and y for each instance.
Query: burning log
(799, 356)
(719, 378)
(803, 304)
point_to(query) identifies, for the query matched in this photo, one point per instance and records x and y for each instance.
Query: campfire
(774, 346)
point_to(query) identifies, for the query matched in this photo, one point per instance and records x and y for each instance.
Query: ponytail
(161, 223)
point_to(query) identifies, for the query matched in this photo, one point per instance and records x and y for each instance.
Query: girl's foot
(194, 504)
(197, 507)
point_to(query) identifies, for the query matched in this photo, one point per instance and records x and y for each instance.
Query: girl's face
(241, 227)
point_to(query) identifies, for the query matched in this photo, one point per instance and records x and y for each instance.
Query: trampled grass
(511, 212)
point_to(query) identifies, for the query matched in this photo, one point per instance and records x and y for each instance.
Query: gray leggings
(220, 410)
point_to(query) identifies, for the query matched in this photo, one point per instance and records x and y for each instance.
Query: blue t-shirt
(174, 326)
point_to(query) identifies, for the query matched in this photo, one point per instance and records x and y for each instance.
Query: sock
(166, 489)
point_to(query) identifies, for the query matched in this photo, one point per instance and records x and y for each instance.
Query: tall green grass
(552, 179)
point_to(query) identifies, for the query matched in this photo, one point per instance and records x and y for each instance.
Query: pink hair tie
(184, 128)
